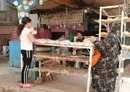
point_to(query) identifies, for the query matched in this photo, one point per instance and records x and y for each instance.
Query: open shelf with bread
(53, 63)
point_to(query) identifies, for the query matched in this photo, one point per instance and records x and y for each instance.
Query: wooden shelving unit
(82, 58)
(62, 70)
(125, 19)
(51, 62)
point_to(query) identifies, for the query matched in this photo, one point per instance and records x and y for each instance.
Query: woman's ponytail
(20, 28)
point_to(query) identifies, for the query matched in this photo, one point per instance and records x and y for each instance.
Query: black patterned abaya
(105, 72)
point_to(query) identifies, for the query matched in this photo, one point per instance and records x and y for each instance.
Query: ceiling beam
(70, 3)
(105, 13)
(80, 3)
(94, 10)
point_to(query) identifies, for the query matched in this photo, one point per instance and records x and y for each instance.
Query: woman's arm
(100, 46)
(31, 37)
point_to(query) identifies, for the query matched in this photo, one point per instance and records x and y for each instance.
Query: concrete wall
(6, 33)
(8, 16)
(8, 21)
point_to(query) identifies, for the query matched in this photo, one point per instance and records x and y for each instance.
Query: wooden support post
(39, 67)
(64, 63)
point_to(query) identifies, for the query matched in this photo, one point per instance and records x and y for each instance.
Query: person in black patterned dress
(104, 73)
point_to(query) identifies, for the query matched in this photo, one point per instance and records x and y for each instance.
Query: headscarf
(115, 28)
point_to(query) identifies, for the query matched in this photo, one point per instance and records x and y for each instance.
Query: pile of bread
(86, 42)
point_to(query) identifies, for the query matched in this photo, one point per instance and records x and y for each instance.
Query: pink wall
(42, 33)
